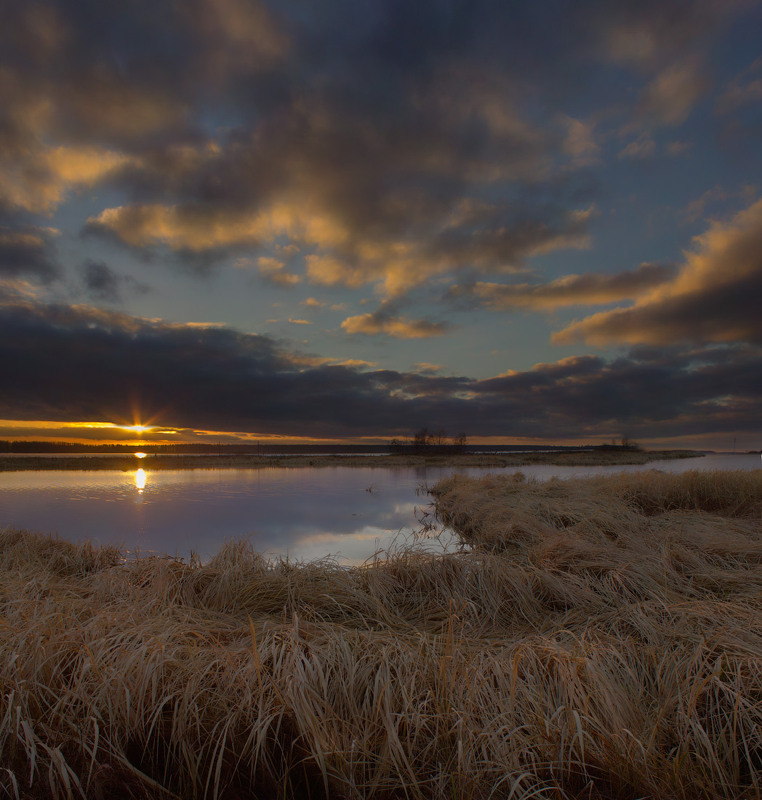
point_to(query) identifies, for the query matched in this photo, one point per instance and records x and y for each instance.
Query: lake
(303, 513)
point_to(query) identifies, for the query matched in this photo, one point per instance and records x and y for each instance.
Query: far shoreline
(152, 462)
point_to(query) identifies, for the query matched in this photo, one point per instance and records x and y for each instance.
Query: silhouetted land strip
(598, 638)
(224, 461)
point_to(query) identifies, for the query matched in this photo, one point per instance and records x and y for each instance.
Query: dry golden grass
(598, 639)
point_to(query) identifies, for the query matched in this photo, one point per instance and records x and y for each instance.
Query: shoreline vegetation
(128, 462)
(595, 638)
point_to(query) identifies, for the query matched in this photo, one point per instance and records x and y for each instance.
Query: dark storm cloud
(64, 363)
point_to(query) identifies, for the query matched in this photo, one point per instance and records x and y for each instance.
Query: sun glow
(87, 432)
(140, 479)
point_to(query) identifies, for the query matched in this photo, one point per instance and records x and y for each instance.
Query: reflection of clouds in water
(347, 548)
(326, 537)
(406, 509)
(355, 548)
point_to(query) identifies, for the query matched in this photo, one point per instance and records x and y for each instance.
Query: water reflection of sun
(140, 479)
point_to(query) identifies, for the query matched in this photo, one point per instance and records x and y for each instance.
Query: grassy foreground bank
(581, 458)
(601, 638)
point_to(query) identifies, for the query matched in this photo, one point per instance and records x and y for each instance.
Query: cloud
(580, 141)
(424, 367)
(670, 96)
(678, 147)
(696, 209)
(492, 238)
(713, 298)
(664, 44)
(78, 363)
(743, 90)
(28, 252)
(272, 270)
(363, 175)
(187, 228)
(330, 271)
(85, 73)
(102, 283)
(357, 363)
(569, 290)
(234, 37)
(375, 324)
(40, 179)
(17, 290)
(648, 34)
(425, 144)
(642, 147)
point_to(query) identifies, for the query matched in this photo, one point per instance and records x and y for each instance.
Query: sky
(238, 220)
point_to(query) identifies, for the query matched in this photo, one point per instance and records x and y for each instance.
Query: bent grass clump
(599, 638)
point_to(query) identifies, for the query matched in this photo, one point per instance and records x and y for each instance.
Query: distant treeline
(424, 442)
(253, 448)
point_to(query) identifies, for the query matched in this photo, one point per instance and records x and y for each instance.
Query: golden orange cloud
(573, 289)
(714, 296)
(397, 327)
(344, 257)
(330, 271)
(201, 228)
(273, 270)
(56, 171)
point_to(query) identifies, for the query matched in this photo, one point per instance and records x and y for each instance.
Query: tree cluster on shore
(433, 442)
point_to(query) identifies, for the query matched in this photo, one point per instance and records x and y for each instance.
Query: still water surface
(305, 513)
